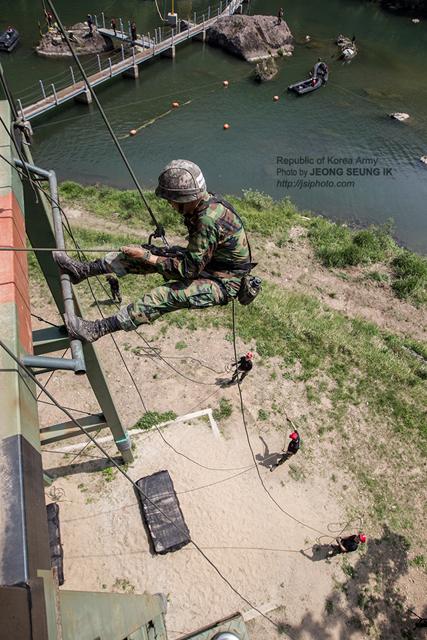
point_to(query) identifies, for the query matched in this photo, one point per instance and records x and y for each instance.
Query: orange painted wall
(13, 266)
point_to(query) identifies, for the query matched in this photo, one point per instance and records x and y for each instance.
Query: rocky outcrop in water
(265, 70)
(53, 45)
(252, 38)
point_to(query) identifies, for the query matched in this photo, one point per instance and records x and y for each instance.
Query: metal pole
(111, 67)
(195, 18)
(123, 52)
(20, 107)
(46, 362)
(122, 29)
(103, 19)
(209, 12)
(220, 6)
(67, 291)
(72, 75)
(54, 93)
(42, 88)
(133, 55)
(96, 20)
(99, 62)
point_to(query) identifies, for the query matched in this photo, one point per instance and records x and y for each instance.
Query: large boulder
(52, 43)
(252, 38)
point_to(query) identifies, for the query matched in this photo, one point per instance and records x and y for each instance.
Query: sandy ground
(255, 545)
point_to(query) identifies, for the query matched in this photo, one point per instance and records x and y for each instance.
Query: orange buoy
(175, 105)
(225, 83)
(132, 132)
(276, 98)
(226, 126)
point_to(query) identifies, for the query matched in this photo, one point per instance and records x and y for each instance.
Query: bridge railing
(51, 86)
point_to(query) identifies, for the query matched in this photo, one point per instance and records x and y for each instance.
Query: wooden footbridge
(162, 42)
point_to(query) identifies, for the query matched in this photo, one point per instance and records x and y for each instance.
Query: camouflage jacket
(217, 245)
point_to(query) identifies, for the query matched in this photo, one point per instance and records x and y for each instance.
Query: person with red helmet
(348, 544)
(292, 449)
(243, 366)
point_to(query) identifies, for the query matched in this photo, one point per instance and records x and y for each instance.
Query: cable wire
(135, 485)
(242, 410)
(159, 228)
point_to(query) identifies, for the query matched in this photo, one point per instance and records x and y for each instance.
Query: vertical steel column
(40, 233)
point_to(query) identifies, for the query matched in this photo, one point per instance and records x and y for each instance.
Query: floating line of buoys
(226, 126)
(175, 104)
(225, 83)
(276, 98)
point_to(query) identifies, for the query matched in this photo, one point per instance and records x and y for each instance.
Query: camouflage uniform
(207, 273)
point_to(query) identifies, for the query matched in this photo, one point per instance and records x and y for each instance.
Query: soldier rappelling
(212, 270)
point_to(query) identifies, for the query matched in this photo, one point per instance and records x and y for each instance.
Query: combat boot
(90, 330)
(77, 270)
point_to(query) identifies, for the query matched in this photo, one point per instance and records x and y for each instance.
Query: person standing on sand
(348, 544)
(293, 447)
(243, 366)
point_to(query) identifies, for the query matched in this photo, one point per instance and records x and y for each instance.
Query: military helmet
(181, 181)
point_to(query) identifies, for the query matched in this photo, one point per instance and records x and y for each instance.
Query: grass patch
(223, 411)
(338, 246)
(263, 415)
(180, 345)
(153, 418)
(410, 272)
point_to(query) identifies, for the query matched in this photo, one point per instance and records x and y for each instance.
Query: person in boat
(210, 271)
(9, 32)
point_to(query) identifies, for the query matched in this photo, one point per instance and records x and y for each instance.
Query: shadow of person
(320, 552)
(224, 382)
(266, 459)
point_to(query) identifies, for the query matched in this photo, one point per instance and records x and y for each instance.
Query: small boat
(319, 76)
(9, 39)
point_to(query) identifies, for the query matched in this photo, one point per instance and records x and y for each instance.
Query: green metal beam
(40, 234)
(64, 430)
(50, 340)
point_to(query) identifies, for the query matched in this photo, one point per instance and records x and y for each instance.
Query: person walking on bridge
(133, 32)
(280, 16)
(212, 270)
(113, 24)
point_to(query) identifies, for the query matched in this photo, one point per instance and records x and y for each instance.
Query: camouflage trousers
(182, 294)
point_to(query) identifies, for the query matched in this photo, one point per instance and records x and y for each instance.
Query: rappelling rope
(137, 488)
(159, 228)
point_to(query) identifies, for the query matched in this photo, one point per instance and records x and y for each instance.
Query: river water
(365, 166)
